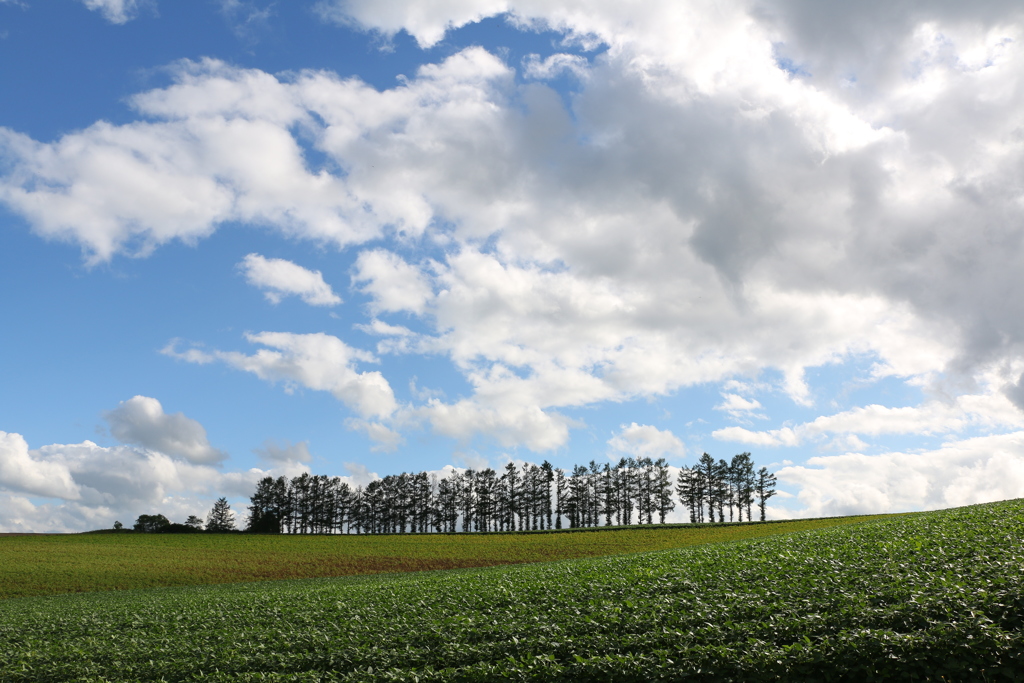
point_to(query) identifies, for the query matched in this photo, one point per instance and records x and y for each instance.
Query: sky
(243, 238)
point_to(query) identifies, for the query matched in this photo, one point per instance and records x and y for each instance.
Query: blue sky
(360, 238)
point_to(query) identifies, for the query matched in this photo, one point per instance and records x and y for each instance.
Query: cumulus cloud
(646, 441)
(855, 157)
(726, 192)
(393, 284)
(218, 149)
(90, 486)
(37, 475)
(966, 472)
(280, 278)
(77, 487)
(142, 421)
(316, 361)
(165, 466)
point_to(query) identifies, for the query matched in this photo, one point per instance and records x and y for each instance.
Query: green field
(73, 563)
(928, 597)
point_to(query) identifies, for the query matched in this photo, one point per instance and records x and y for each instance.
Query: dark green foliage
(269, 506)
(930, 597)
(151, 523)
(765, 487)
(175, 528)
(220, 517)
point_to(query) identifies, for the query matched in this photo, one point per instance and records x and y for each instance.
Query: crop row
(937, 596)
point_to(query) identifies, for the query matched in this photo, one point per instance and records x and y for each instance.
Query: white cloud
(385, 440)
(697, 213)
(219, 149)
(166, 469)
(646, 441)
(141, 421)
(785, 436)
(116, 11)
(833, 142)
(381, 328)
(101, 485)
(989, 410)
(393, 284)
(359, 475)
(397, 338)
(316, 361)
(977, 470)
(279, 278)
(20, 471)
(739, 407)
(509, 425)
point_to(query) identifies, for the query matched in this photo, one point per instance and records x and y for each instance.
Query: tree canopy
(151, 523)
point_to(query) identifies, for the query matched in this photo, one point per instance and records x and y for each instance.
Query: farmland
(47, 565)
(935, 596)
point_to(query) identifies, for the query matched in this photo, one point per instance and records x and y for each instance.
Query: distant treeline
(531, 497)
(219, 520)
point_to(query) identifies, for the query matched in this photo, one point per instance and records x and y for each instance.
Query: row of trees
(531, 497)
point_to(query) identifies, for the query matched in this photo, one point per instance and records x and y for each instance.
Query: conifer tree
(685, 491)
(765, 487)
(560, 490)
(663, 489)
(220, 517)
(709, 478)
(549, 477)
(513, 495)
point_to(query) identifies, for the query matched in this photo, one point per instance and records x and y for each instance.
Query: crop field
(48, 565)
(928, 597)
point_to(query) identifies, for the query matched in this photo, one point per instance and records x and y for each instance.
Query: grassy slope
(937, 596)
(48, 565)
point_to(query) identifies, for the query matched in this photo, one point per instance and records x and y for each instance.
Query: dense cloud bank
(165, 464)
(727, 190)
